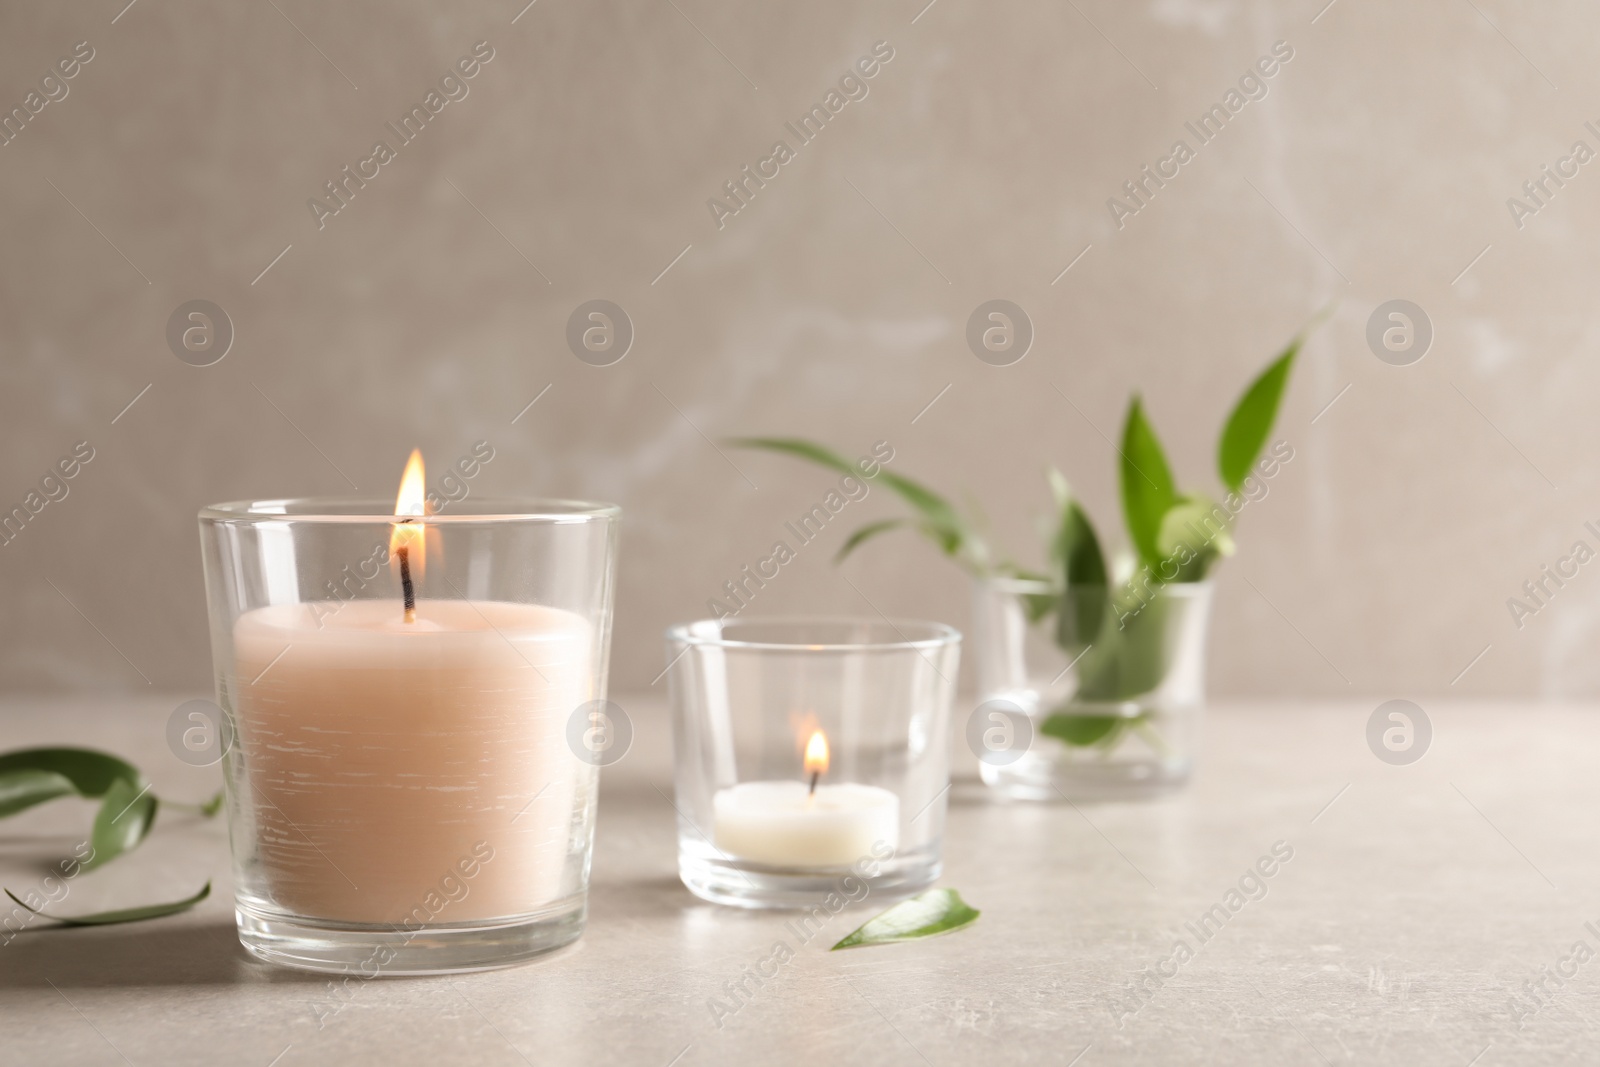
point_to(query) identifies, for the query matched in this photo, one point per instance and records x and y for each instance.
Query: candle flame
(411, 501)
(817, 753)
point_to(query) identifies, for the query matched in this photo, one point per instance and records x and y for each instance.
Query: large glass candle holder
(810, 751)
(402, 794)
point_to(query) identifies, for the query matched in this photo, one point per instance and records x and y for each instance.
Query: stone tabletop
(1437, 913)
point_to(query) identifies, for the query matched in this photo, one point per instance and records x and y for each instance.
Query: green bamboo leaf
(1035, 606)
(23, 787)
(1147, 489)
(212, 806)
(1194, 533)
(940, 521)
(1039, 606)
(127, 807)
(1011, 570)
(1077, 549)
(1133, 654)
(801, 448)
(1081, 617)
(125, 817)
(1251, 421)
(938, 911)
(122, 915)
(936, 511)
(870, 530)
(1082, 567)
(91, 772)
(1078, 730)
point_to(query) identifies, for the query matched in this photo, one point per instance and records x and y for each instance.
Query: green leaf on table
(126, 814)
(122, 915)
(870, 530)
(23, 787)
(90, 772)
(214, 805)
(1147, 489)
(1251, 421)
(1079, 730)
(127, 808)
(938, 911)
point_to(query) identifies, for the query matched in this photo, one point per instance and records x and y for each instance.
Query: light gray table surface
(1418, 902)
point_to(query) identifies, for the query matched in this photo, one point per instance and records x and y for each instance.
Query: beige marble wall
(578, 165)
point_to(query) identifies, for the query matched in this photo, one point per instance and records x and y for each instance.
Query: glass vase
(1104, 705)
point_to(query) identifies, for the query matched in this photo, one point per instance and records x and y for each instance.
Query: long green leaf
(127, 807)
(938, 911)
(1079, 730)
(1082, 568)
(1039, 606)
(1251, 420)
(1078, 549)
(940, 521)
(1193, 534)
(801, 448)
(1133, 655)
(91, 772)
(125, 817)
(23, 787)
(121, 915)
(937, 512)
(1147, 489)
(870, 530)
(1036, 606)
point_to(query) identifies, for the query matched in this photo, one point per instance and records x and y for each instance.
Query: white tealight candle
(791, 824)
(784, 824)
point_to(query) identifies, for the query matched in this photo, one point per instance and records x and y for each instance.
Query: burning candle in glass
(805, 748)
(402, 761)
(802, 824)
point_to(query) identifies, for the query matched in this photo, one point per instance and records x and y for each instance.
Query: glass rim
(375, 510)
(1007, 583)
(709, 633)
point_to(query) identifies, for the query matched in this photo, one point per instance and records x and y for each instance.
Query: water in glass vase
(1114, 707)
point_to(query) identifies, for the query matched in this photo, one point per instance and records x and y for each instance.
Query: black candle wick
(406, 586)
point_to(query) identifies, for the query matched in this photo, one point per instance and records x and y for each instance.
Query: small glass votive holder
(403, 794)
(810, 749)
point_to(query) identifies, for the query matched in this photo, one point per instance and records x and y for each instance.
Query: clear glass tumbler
(1116, 719)
(808, 750)
(403, 797)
